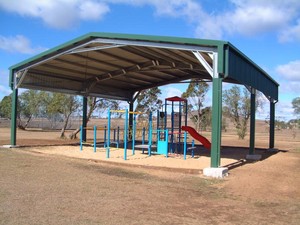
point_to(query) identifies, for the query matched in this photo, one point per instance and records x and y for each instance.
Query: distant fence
(46, 124)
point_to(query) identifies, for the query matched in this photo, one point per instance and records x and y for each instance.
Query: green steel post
(272, 124)
(14, 109)
(84, 117)
(252, 122)
(216, 123)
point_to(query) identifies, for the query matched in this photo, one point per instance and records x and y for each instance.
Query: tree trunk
(20, 124)
(74, 133)
(92, 107)
(62, 133)
(27, 122)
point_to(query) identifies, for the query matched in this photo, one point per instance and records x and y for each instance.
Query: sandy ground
(117, 156)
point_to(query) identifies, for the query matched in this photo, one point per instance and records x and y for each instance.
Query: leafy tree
(295, 122)
(32, 104)
(238, 108)
(148, 100)
(5, 107)
(105, 104)
(280, 124)
(64, 105)
(206, 118)
(296, 105)
(224, 124)
(99, 104)
(195, 94)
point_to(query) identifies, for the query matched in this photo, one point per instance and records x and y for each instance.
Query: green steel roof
(118, 65)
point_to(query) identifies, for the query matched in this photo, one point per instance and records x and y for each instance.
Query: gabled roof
(176, 99)
(117, 65)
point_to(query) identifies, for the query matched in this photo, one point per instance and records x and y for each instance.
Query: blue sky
(267, 31)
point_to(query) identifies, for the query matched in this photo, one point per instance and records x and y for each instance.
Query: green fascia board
(161, 39)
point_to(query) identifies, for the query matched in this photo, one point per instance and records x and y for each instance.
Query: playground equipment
(178, 118)
(167, 136)
(117, 132)
(206, 143)
(132, 133)
(178, 124)
(94, 143)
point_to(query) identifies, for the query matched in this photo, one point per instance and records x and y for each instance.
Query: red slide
(197, 136)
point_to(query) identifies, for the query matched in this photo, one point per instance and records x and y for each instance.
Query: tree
(5, 107)
(105, 104)
(148, 100)
(238, 108)
(195, 95)
(206, 118)
(296, 106)
(63, 104)
(94, 104)
(31, 105)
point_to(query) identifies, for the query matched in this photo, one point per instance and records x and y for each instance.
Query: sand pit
(139, 159)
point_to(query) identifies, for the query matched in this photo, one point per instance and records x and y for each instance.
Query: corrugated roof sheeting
(246, 72)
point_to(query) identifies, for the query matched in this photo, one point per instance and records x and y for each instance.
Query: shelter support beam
(252, 121)
(204, 63)
(130, 115)
(84, 117)
(272, 124)
(216, 122)
(131, 103)
(14, 109)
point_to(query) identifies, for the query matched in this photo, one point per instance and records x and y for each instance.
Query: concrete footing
(9, 146)
(215, 172)
(253, 157)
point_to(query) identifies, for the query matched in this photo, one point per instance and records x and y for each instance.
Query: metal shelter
(119, 66)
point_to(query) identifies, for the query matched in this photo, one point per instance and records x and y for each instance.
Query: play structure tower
(178, 119)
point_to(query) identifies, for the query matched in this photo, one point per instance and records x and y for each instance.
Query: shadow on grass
(265, 154)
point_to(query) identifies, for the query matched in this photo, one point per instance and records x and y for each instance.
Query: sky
(267, 31)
